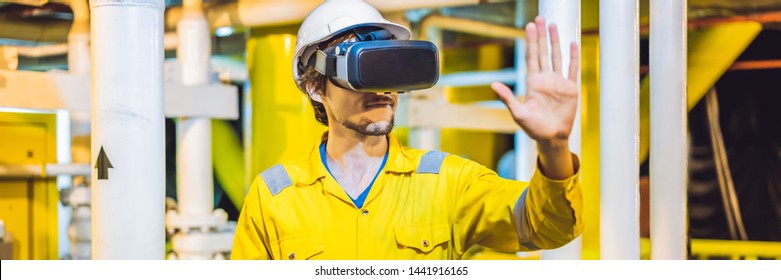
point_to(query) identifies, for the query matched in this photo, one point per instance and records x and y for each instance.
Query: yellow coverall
(423, 205)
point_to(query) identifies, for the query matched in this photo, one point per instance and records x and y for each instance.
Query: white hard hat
(333, 17)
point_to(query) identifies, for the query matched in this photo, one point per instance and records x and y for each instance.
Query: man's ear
(314, 94)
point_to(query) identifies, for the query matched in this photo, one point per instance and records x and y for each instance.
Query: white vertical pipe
(428, 138)
(566, 15)
(78, 39)
(78, 64)
(619, 129)
(194, 158)
(64, 213)
(79, 60)
(668, 129)
(128, 123)
(525, 147)
(424, 138)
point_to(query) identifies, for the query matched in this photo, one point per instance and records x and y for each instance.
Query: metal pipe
(78, 39)
(525, 147)
(477, 78)
(470, 26)
(77, 46)
(566, 15)
(428, 138)
(253, 13)
(619, 130)
(170, 41)
(42, 51)
(192, 224)
(38, 30)
(128, 182)
(193, 158)
(64, 214)
(44, 170)
(668, 129)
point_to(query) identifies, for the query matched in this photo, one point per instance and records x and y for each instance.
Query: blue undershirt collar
(362, 197)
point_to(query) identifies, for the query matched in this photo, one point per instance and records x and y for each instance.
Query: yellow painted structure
(589, 75)
(462, 142)
(228, 157)
(283, 126)
(29, 206)
(704, 249)
(735, 249)
(711, 51)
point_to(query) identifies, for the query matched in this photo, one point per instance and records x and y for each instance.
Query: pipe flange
(200, 245)
(185, 223)
(80, 196)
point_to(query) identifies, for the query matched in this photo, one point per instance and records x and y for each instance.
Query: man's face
(364, 112)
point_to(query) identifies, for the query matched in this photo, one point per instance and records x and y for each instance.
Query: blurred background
(244, 114)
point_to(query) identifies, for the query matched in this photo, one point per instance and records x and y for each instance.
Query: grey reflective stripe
(276, 179)
(522, 227)
(431, 162)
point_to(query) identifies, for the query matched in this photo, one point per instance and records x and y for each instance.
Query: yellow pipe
(736, 248)
(228, 157)
(468, 26)
(590, 145)
(266, 13)
(283, 126)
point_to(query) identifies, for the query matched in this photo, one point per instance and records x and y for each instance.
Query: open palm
(551, 99)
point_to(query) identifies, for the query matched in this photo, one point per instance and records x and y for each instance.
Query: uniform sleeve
(510, 215)
(250, 241)
(549, 214)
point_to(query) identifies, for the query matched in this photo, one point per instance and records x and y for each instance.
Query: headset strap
(325, 62)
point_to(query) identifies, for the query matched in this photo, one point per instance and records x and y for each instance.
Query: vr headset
(375, 63)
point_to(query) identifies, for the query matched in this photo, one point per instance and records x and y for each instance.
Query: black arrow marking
(102, 165)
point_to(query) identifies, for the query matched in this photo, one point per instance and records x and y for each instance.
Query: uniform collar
(399, 161)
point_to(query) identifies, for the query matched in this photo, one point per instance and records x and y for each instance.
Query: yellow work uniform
(423, 205)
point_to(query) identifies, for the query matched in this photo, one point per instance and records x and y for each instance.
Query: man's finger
(508, 98)
(532, 62)
(574, 63)
(542, 43)
(555, 48)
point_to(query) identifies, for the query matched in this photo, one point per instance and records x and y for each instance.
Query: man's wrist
(555, 159)
(553, 146)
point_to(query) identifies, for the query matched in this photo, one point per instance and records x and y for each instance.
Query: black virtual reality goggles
(375, 63)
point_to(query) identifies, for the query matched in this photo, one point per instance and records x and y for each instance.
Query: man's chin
(378, 128)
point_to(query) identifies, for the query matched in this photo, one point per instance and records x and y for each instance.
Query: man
(361, 195)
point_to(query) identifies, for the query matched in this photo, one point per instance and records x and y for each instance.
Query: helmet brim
(399, 31)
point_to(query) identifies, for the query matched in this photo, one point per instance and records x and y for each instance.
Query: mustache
(380, 99)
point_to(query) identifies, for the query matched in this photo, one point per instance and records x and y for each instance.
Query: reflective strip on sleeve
(522, 225)
(431, 162)
(276, 179)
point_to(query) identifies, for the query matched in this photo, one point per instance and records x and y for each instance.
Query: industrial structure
(131, 129)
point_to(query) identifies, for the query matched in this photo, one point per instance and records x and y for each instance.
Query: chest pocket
(302, 248)
(422, 241)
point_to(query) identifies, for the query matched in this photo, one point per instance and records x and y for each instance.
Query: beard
(369, 128)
